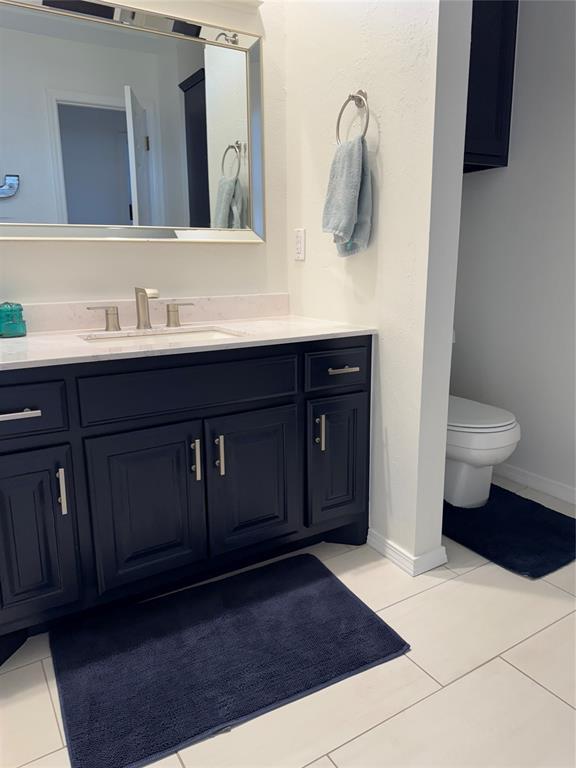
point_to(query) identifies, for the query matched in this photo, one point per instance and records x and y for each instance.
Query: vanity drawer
(152, 393)
(26, 409)
(338, 368)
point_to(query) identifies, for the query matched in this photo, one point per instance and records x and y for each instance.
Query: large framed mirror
(125, 124)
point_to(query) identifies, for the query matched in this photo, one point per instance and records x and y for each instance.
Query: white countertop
(65, 347)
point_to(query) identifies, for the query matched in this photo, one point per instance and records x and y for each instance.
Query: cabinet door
(337, 457)
(254, 485)
(38, 560)
(490, 83)
(147, 496)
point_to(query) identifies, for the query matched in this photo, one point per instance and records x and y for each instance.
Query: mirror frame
(251, 44)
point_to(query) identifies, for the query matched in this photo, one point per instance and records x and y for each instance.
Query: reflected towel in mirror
(229, 211)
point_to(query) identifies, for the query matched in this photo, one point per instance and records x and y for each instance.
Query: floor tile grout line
(537, 682)
(21, 666)
(180, 760)
(332, 761)
(498, 655)
(410, 706)
(474, 567)
(566, 591)
(315, 760)
(458, 576)
(409, 597)
(377, 725)
(41, 757)
(542, 629)
(443, 687)
(53, 704)
(424, 670)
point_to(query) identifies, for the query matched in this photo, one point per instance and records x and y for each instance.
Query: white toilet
(479, 437)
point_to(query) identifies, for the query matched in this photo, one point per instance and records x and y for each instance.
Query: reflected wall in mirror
(117, 119)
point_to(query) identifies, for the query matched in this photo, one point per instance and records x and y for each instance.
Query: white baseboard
(412, 564)
(537, 482)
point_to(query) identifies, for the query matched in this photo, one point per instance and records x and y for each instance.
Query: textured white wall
(315, 53)
(390, 49)
(515, 297)
(52, 271)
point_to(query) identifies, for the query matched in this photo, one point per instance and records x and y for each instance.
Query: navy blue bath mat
(519, 534)
(138, 683)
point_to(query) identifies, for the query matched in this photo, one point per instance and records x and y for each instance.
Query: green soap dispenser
(12, 323)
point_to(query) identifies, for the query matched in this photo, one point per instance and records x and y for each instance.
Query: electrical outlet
(300, 244)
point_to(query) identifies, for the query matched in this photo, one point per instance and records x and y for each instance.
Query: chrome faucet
(143, 306)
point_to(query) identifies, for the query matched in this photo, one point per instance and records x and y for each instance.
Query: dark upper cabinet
(253, 477)
(38, 565)
(147, 497)
(490, 84)
(337, 457)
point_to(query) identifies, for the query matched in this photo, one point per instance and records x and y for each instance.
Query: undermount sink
(199, 333)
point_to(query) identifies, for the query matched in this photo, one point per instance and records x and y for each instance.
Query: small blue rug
(519, 534)
(137, 683)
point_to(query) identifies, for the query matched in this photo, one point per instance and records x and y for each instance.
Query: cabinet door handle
(321, 441)
(27, 413)
(63, 498)
(197, 466)
(346, 369)
(221, 461)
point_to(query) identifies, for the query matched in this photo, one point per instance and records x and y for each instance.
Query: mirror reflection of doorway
(94, 144)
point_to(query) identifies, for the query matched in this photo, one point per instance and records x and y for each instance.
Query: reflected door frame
(83, 99)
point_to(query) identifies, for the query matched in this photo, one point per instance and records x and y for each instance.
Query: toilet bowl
(480, 436)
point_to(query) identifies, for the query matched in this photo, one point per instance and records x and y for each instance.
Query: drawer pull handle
(27, 413)
(346, 369)
(221, 461)
(63, 498)
(321, 441)
(197, 466)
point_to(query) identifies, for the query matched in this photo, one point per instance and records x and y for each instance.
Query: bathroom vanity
(128, 468)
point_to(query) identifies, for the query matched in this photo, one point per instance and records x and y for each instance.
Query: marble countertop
(65, 347)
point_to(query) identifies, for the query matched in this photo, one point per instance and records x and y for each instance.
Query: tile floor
(490, 680)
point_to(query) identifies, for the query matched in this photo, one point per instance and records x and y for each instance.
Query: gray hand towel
(226, 189)
(237, 207)
(348, 208)
(229, 212)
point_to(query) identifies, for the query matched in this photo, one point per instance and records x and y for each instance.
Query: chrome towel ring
(360, 98)
(236, 148)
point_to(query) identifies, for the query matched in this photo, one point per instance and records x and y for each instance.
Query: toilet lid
(470, 415)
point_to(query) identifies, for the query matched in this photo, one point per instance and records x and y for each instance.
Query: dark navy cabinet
(490, 84)
(38, 553)
(337, 457)
(148, 506)
(132, 477)
(253, 477)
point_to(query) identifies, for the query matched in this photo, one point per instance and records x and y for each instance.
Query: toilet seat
(482, 439)
(469, 416)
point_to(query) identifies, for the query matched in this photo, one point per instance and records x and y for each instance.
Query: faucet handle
(173, 314)
(152, 293)
(112, 318)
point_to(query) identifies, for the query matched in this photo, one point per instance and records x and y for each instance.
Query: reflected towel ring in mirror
(236, 148)
(360, 98)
